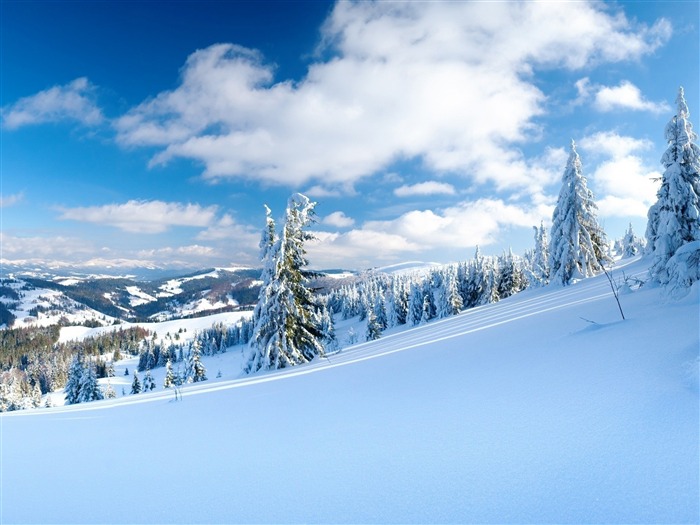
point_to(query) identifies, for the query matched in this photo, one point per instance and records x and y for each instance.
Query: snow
(174, 286)
(188, 326)
(410, 267)
(54, 305)
(541, 408)
(138, 296)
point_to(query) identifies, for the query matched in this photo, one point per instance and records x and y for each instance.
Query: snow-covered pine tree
(511, 279)
(674, 220)
(109, 391)
(36, 396)
(631, 245)
(75, 375)
(373, 330)
(89, 388)
(287, 331)
(268, 256)
(415, 303)
(399, 308)
(578, 245)
(199, 372)
(428, 310)
(540, 259)
(148, 382)
(136, 384)
(169, 379)
(379, 309)
(448, 300)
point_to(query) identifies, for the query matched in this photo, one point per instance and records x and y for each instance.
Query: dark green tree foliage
(287, 328)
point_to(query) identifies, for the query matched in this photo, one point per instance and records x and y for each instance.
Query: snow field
(520, 411)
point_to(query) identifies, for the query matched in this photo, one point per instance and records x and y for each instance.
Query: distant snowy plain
(545, 407)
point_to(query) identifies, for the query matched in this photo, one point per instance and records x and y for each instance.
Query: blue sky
(152, 133)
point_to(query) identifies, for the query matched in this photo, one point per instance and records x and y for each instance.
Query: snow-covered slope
(545, 407)
(37, 306)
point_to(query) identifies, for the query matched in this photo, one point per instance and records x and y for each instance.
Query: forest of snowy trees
(293, 322)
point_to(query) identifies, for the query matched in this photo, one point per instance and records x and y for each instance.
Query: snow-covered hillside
(545, 407)
(37, 306)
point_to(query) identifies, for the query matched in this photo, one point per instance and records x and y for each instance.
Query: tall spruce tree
(674, 220)
(540, 259)
(577, 247)
(89, 388)
(287, 329)
(75, 376)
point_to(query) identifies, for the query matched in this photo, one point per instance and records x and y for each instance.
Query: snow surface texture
(516, 412)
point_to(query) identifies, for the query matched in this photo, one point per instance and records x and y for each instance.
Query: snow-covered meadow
(545, 407)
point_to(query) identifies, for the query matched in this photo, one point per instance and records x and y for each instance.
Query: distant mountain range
(34, 294)
(43, 298)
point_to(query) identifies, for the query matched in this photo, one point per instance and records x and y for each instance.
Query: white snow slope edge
(519, 411)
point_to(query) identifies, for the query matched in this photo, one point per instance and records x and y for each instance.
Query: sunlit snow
(545, 407)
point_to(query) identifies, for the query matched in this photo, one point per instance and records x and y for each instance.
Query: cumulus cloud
(338, 219)
(425, 188)
(144, 216)
(626, 96)
(458, 227)
(625, 185)
(448, 83)
(73, 101)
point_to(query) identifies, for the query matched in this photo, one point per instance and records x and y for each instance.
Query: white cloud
(160, 254)
(625, 185)
(419, 231)
(425, 188)
(73, 101)
(34, 247)
(447, 82)
(10, 200)
(626, 96)
(144, 216)
(227, 229)
(338, 219)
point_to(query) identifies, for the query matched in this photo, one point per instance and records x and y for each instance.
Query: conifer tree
(89, 388)
(674, 219)
(373, 330)
(577, 247)
(631, 244)
(148, 382)
(136, 384)
(540, 259)
(287, 328)
(169, 379)
(109, 391)
(415, 303)
(199, 373)
(75, 375)
(36, 396)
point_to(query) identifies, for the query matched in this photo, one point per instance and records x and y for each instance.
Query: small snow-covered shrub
(683, 269)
